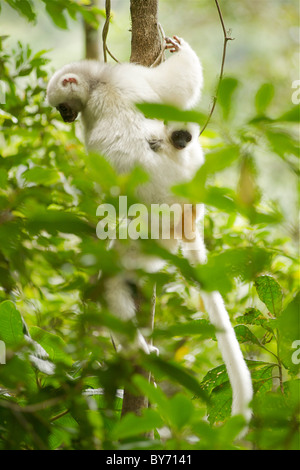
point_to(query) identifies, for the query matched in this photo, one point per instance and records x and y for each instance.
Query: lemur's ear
(155, 145)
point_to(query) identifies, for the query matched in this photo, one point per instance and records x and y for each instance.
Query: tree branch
(146, 49)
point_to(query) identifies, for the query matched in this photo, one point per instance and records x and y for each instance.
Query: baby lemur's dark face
(180, 139)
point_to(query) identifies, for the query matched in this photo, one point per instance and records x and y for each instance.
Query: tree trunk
(145, 49)
(92, 39)
(133, 403)
(145, 39)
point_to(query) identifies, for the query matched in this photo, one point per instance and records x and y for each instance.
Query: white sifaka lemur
(106, 95)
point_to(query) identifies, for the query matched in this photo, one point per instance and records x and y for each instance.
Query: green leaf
(18, 374)
(11, 325)
(132, 425)
(24, 8)
(91, 16)
(195, 190)
(53, 345)
(221, 198)
(242, 263)
(65, 428)
(214, 378)
(264, 97)
(197, 327)
(252, 316)
(289, 329)
(40, 175)
(101, 171)
(54, 221)
(292, 115)
(232, 428)
(181, 410)
(245, 335)
(228, 86)
(55, 10)
(169, 113)
(3, 178)
(278, 418)
(155, 395)
(177, 411)
(216, 384)
(176, 373)
(262, 378)
(270, 293)
(219, 159)
(282, 143)
(213, 276)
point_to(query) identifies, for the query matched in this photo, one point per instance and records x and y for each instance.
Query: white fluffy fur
(105, 95)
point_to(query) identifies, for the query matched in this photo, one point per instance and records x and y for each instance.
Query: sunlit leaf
(52, 344)
(24, 7)
(264, 97)
(169, 113)
(245, 335)
(39, 175)
(56, 11)
(227, 90)
(132, 425)
(289, 328)
(11, 325)
(176, 373)
(292, 115)
(197, 327)
(270, 293)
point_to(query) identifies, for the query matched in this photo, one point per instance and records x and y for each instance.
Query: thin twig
(279, 364)
(105, 32)
(161, 56)
(112, 56)
(226, 39)
(60, 415)
(106, 28)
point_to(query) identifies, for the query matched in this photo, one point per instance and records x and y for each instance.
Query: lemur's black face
(67, 113)
(180, 139)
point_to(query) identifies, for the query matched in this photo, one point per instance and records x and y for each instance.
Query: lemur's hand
(173, 44)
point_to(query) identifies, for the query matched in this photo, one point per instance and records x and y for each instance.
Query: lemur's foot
(153, 350)
(173, 44)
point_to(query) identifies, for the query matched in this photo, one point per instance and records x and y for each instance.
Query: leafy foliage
(50, 259)
(58, 10)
